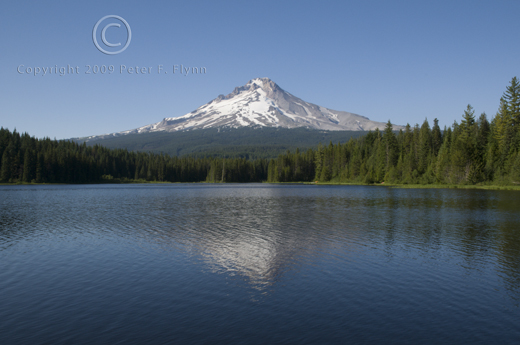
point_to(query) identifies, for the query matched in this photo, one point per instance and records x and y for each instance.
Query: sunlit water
(256, 263)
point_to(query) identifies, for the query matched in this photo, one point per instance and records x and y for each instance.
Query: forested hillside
(474, 151)
(244, 142)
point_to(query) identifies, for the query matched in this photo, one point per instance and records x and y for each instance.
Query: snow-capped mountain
(260, 102)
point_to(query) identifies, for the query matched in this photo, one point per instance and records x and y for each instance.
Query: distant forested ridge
(474, 151)
(243, 142)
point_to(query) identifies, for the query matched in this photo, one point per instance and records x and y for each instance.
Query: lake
(258, 264)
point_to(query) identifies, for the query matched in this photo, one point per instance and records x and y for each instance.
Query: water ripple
(209, 263)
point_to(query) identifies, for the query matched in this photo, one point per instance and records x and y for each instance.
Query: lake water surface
(258, 264)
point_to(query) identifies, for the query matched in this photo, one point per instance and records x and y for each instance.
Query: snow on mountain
(261, 102)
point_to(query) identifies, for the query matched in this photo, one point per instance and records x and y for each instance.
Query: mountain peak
(261, 102)
(259, 81)
(262, 82)
(265, 84)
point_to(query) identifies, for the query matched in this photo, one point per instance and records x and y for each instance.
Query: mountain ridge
(259, 103)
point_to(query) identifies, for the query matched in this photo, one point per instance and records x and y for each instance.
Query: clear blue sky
(398, 60)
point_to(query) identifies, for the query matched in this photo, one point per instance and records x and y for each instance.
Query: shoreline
(423, 186)
(389, 185)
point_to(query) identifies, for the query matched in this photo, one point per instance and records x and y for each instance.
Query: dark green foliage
(437, 137)
(293, 167)
(26, 159)
(249, 143)
(512, 99)
(471, 152)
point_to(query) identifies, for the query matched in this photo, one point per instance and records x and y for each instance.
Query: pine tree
(39, 168)
(424, 147)
(28, 166)
(442, 163)
(464, 164)
(512, 99)
(318, 163)
(391, 147)
(325, 174)
(5, 170)
(436, 137)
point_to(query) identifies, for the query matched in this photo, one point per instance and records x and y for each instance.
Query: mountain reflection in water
(270, 263)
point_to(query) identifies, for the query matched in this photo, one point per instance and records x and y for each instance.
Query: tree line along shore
(475, 151)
